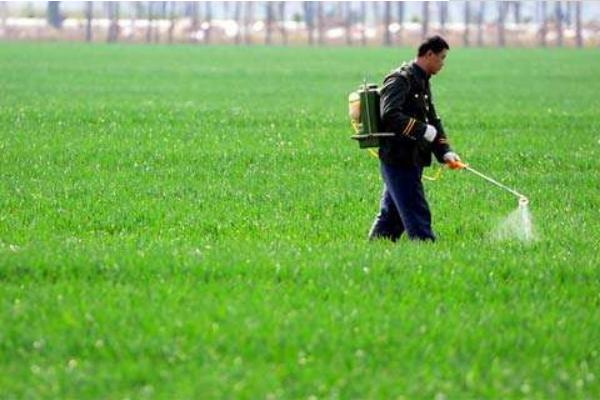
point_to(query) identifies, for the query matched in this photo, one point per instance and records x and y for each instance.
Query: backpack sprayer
(363, 109)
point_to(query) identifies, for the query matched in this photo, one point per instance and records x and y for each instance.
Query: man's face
(436, 61)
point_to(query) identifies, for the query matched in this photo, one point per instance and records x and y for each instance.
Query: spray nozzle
(523, 201)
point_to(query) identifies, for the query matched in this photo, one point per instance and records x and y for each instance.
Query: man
(407, 109)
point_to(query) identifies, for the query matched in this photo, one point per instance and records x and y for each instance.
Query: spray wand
(523, 200)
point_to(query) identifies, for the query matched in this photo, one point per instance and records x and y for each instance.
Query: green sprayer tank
(363, 109)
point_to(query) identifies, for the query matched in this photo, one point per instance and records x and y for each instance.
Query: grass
(190, 222)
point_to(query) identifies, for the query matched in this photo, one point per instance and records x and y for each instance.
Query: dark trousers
(403, 205)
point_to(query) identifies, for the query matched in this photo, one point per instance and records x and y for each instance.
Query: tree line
(313, 21)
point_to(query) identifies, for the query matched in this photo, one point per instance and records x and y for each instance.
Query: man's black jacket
(406, 108)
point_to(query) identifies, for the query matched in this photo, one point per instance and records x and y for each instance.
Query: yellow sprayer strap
(435, 176)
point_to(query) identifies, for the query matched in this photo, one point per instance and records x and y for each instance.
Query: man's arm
(392, 97)
(440, 145)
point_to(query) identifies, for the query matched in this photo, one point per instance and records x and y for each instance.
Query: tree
(467, 22)
(238, 20)
(578, 38)
(443, 7)
(544, 24)
(269, 24)
(320, 22)
(282, 22)
(208, 20)
(3, 12)
(425, 30)
(134, 15)
(347, 15)
(88, 17)
(54, 16)
(559, 23)
(480, 21)
(309, 20)
(112, 8)
(363, 31)
(161, 11)
(387, 20)
(248, 17)
(517, 11)
(193, 12)
(568, 14)
(376, 16)
(172, 15)
(400, 21)
(502, 10)
(150, 22)
(226, 9)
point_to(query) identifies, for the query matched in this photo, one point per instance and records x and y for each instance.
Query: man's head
(432, 53)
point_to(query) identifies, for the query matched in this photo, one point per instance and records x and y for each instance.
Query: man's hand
(430, 133)
(453, 160)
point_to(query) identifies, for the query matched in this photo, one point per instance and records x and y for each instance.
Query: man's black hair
(434, 43)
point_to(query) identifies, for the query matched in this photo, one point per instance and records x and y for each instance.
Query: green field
(190, 222)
